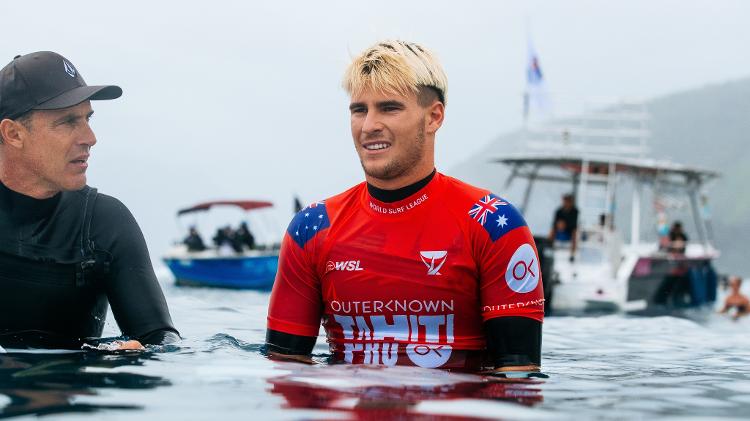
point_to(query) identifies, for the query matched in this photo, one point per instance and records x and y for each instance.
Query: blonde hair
(399, 67)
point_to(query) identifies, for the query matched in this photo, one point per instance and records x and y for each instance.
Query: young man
(410, 267)
(66, 251)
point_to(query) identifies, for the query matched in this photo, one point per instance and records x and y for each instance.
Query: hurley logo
(69, 69)
(346, 265)
(434, 260)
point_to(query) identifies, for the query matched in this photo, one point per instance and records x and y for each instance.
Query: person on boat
(221, 237)
(194, 241)
(598, 232)
(66, 250)
(565, 224)
(662, 230)
(225, 241)
(561, 232)
(677, 239)
(411, 266)
(736, 302)
(244, 237)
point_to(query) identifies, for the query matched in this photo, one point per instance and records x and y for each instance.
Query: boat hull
(256, 272)
(664, 285)
(647, 283)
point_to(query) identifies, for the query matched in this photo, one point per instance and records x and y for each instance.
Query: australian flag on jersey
(308, 222)
(496, 216)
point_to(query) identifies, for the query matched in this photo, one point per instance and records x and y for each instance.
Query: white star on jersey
(502, 221)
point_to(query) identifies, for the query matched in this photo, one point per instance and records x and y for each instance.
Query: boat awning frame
(246, 205)
(529, 165)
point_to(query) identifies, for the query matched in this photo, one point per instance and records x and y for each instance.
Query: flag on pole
(535, 99)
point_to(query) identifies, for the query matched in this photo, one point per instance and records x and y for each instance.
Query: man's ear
(435, 117)
(12, 133)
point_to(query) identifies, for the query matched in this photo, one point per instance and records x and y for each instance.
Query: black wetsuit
(63, 259)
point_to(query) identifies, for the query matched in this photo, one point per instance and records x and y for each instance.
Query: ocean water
(609, 367)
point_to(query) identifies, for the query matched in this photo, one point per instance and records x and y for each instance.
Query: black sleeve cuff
(288, 344)
(160, 337)
(514, 341)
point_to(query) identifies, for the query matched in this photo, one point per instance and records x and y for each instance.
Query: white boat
(602, 158)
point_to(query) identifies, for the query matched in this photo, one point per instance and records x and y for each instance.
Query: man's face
(56, 147)
(389, 135)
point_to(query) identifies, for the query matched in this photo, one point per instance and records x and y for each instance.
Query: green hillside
(710, 127)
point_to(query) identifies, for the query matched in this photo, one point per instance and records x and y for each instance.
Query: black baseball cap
(45, 81)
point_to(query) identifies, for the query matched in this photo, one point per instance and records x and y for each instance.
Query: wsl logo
(434, 260)
(346, 265)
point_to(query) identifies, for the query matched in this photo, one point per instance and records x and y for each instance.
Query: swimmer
(736, 303)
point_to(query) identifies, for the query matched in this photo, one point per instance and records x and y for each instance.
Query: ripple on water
(737, 386)
(610, 367)
(223, 341)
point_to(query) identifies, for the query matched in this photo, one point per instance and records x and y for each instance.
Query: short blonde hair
(396, 67)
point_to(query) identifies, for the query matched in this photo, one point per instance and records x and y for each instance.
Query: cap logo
(69, 69)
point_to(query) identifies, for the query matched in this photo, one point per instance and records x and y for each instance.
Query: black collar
(26, 208)
(390, 196)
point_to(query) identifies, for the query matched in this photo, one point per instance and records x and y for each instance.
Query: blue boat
(213, 267)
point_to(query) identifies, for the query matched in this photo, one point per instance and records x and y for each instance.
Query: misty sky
(240, 99)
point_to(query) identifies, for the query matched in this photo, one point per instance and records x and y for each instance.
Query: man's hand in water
(118, 345)
(131, 345)
(517, 373)
(286, 357)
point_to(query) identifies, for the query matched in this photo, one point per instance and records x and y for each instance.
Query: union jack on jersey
(486, 205)
(313, 205)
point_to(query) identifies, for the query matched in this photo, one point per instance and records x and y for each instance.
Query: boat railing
(597, 245)
(613, 128)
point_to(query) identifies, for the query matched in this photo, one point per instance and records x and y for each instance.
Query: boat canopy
(583, 169)
(532, 165)
(243, 204)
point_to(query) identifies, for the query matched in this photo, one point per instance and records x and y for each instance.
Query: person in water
(66, 250)
(409, 267)
(736, 302)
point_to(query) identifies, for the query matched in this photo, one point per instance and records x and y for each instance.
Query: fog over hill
(707, 127)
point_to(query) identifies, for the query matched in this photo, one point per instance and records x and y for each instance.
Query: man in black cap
(66, 251)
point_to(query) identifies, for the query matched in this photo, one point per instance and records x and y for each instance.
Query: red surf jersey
(408, 282)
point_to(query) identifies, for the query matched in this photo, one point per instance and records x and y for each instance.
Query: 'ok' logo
(522, 273)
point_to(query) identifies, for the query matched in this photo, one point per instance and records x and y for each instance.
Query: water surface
(608, 367)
